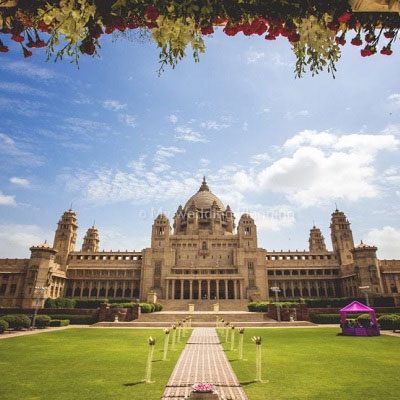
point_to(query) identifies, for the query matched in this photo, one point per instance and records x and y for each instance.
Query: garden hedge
(122, 305)
(77, 319)
(147, 308)
(59, 322)
(91, 304)
(381, 301)
(60, 303)
(17, 321)
(42, 321)
(3, 325)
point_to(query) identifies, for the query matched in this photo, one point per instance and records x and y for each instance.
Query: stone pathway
(203, 361)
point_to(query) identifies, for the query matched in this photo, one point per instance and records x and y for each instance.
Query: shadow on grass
(247, 383)
(133, 383)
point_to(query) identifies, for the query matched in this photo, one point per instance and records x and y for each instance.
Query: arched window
(119, 292)
(102, 292)
(85, 292)
(204, 246)
(93, 293)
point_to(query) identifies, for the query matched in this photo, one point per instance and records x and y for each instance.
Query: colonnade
(103, 288)
(308, 288)
(197, 289)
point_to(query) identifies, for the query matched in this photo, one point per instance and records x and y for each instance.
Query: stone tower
(342, 237)
(247, 232)
(161, 231)
(366, 268)
(316, 240)
(91, 240)
(65, 237)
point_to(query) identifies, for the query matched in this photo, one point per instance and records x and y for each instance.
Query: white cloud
(254, 56)
(260, 158)
(21, 88)
(22, 107)
(394, 99)
(188, 134)
(214, 125)
(15, 239)
(29, 70)
(164, 153)
(17, 151)
(86, 128)
(82, 99)
(6, 200)
(278, 61)
(310, 138)
(113, 105)
(387, 240)
(173, 118)
(204, 162)
(128, 120)
(245, 126)
(293, 114)
(20, 181)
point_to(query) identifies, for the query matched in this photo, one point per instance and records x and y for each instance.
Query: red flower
(3, 49)
(386, 51)
(368, 51)
(44, 27)
(17, 38)
(294, 38)
(87, 47)
(286, 32)
(27, 53)
(356, 41)
(39, 44)
(340, 40)
(109, 29)
(247, 30)
(151, 13)
(230, 30)
(270, 37)
(219, 20)
(207, 30)
(389, 34)
(344, 18)
(261, 29)
(333, 26)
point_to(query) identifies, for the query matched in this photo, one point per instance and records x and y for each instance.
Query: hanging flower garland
(316, 29)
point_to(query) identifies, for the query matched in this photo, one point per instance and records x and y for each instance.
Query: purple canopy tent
(357, 307)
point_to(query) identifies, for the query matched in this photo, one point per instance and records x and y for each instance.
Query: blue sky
(121, 143)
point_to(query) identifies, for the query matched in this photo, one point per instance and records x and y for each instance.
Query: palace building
(203, 256)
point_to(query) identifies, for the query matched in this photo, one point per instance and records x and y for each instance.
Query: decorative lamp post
(152, 342)
(278, 310)
(226, 332)
(39, 294)
(179, 331)
(166, 342)
(365, 290)
(241, 334)
(232, 337)
(257, 341)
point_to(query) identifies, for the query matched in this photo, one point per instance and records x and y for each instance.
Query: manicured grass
(319, 364)
(80, 364)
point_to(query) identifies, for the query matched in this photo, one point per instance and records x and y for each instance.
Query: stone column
(235, 295)
(115, 288)
(181, 289)
(217, 288)
(107, 287)
(208, 289)
(241, 288)
(226, 289)
(73, 288)
(98, 288)
(309, 288)
(191, 290)
(123, 288)
(173, 289)
(326, 289)
(283, 293)
(166, 289)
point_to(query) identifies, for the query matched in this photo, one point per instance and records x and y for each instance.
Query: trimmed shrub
(77, 319)
(17, 321)
(60, 303)
(146, 308)
(122, 305)
(364, 320)
(91, 304)
(42, 321)
(158, 306)
(389, 322)
(262, 306)
(112, 301)
(325, 318)
(380, 301)
(59, 322)
(252, 306)
(3, 325)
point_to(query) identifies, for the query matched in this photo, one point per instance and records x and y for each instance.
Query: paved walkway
(203, 361)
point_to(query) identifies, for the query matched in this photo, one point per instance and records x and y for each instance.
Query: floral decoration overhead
(315, 29)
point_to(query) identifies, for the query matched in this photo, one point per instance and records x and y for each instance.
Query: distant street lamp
(365, 290)
(278, 310)
(39, 293)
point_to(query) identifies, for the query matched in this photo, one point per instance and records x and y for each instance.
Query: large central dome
(204, 198)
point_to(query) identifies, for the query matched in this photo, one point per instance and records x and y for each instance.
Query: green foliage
(112, 301)
(262, 306)
(122, 305)
(286, 304)
(381, 301)
(42, 321)
(364, 320)
(91, 304)
(3, 325)
(17, 321)
(147, 308)
(325, 318)
(252, 306)
(158, 306)
(389, 321)
(60, 303)
(77, 319)
(59, 322)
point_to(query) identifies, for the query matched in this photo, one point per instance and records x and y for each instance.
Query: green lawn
(79, 364)
(319, 364)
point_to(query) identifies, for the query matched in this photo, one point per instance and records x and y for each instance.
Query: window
(247, 231)
(204, 246)
(3, 289)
